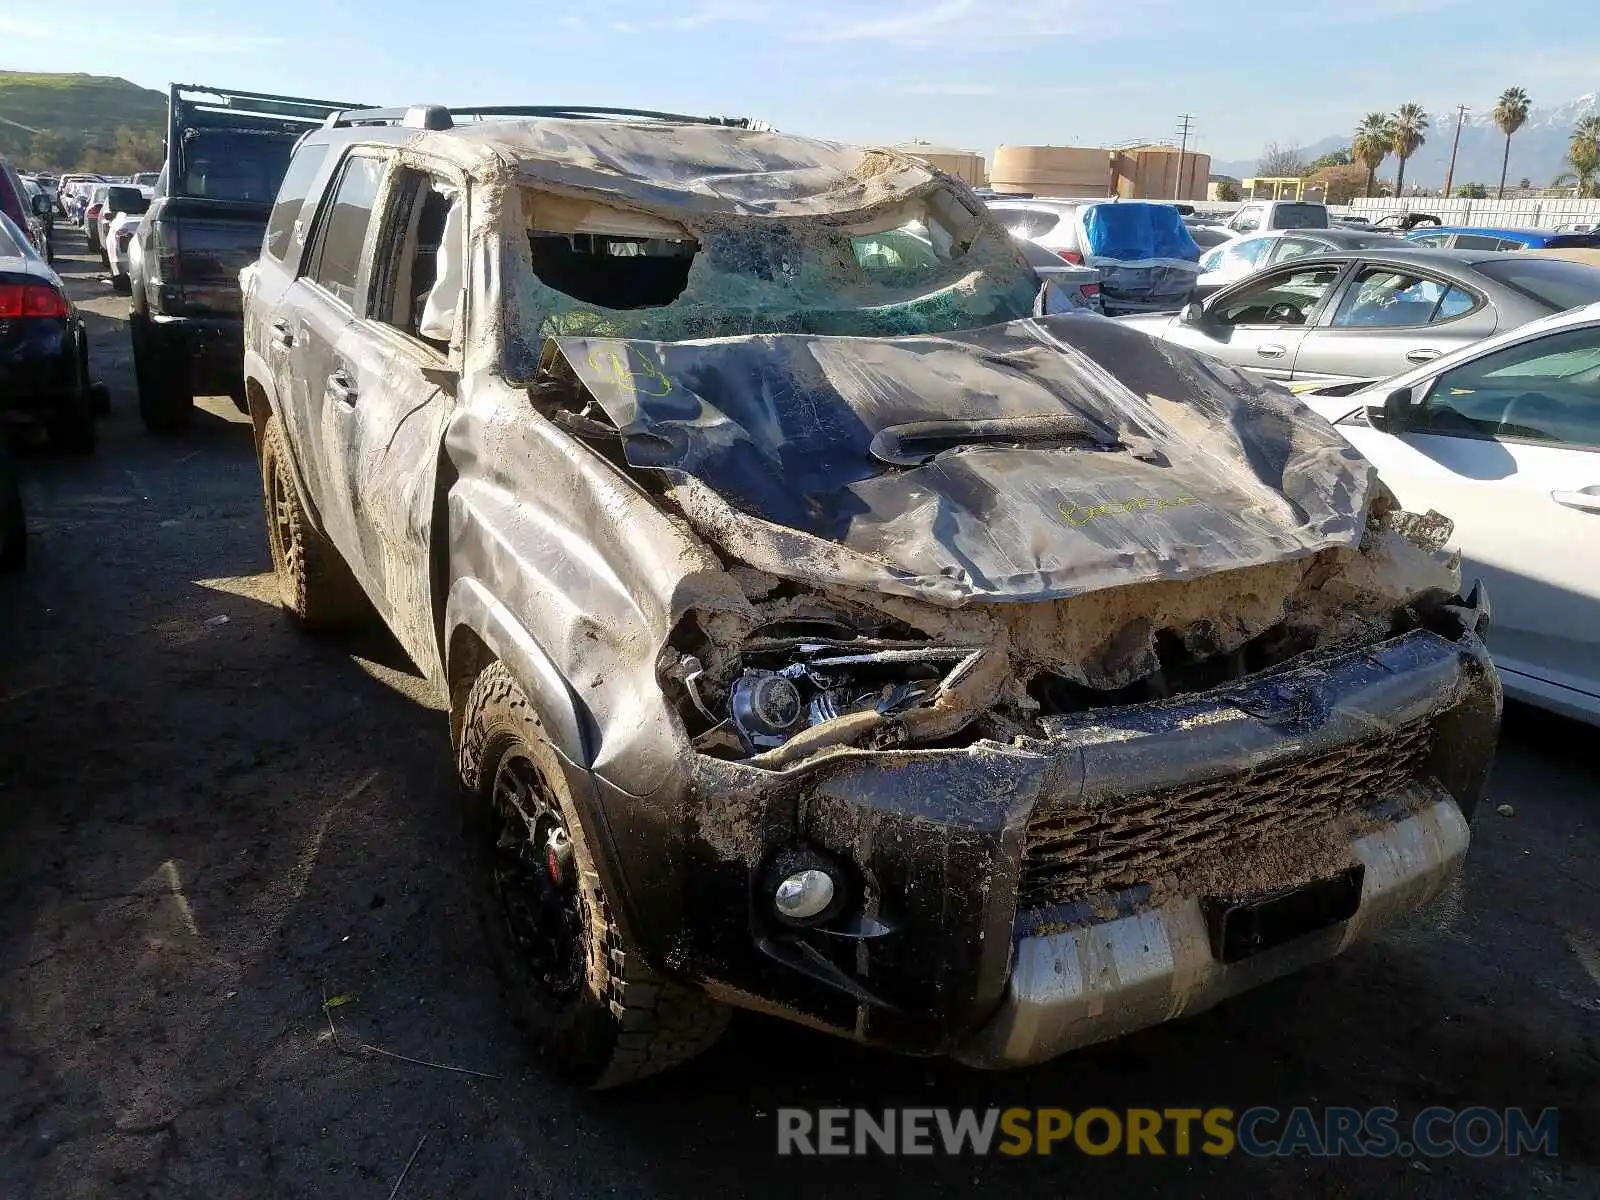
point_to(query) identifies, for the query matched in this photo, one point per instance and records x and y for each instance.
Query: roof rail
(434, 116)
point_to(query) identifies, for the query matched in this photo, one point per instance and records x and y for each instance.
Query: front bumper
(940, 951)
(1102, 981)
(212, 347)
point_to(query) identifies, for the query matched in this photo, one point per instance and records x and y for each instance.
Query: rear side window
(12, 243)
(284, 230)
(1383, 297)
(1477, 241)
(1556, 284)
(342, 231)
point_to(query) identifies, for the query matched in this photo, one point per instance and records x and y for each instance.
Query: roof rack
(436, 117)
(198, 97)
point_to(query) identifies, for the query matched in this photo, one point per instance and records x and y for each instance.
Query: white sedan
(119, 235)
(1503, 437)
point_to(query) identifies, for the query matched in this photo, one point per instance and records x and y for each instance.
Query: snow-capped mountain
(1538, 149)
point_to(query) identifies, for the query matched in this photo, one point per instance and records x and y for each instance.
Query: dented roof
(705, 169)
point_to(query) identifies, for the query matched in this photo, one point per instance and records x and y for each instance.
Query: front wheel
(587, 1001)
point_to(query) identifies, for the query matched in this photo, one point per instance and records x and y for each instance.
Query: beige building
(1052, 171)
(1141, 173)
(1162, 173)
(965, 165)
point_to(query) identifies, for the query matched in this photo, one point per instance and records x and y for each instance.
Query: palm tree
(1407, 131)
(1371, 144)
(1583, 153)
(1511, 114)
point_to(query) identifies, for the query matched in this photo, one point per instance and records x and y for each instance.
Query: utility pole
(1184, 122)
(1450, 171)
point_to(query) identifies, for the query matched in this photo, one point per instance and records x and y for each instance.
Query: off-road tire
(166, 397)
(315, 585)
(626, 1022)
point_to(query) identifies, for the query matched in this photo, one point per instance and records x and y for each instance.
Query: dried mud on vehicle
(830, 629)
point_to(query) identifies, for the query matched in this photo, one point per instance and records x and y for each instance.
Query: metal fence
(1544, 213)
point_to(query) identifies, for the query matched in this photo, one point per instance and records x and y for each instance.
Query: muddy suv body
(825, 632)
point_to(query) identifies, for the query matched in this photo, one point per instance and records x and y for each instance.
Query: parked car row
(1369, 314)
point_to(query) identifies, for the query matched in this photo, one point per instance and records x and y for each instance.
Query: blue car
(1476, 237)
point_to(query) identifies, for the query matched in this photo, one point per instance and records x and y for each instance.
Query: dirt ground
(213, 823)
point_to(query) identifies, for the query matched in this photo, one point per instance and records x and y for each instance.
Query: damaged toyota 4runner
(827, 630)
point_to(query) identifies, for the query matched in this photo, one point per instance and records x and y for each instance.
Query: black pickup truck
(227, 151)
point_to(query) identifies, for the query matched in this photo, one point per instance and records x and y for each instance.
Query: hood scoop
(915, 442)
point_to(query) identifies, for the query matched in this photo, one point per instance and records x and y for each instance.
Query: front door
(1258, 324)
(402, 368)
(1508, 446)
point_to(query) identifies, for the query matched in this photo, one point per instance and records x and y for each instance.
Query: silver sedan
(1370, 314)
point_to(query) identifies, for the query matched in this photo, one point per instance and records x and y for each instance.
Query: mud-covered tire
(624, 1022)
(315, 585)
(166, 397)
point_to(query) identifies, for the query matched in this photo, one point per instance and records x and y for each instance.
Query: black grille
(1123, 841)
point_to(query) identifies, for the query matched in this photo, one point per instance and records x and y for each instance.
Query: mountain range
(1538, 149)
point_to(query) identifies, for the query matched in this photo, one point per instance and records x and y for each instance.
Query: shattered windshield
(927, 264)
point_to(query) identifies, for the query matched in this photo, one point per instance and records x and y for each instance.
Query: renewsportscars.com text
(1478, 1132)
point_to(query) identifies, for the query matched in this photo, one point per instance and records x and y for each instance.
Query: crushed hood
(1037, 459)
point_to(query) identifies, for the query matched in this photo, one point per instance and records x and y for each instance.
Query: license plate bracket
(1244, 926)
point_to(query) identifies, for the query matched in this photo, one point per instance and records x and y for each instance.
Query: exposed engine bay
(818, 669)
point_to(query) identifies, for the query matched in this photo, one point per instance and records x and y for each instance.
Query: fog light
(804, 895)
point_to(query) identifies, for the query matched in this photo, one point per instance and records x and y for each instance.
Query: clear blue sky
(970, 73)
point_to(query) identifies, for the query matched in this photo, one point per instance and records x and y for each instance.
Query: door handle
(1586, 500)
(1270, 350)
(281, 333)
(341, 389)
(1422, 354)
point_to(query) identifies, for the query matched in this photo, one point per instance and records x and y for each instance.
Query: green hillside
(63, 121)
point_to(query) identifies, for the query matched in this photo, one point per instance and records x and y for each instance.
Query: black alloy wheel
(534, 879)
